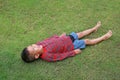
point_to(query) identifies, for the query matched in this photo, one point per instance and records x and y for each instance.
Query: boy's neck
(41, 51)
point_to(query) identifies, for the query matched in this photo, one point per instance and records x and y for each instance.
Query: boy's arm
(63, 34)
(77, 51)
(61, 56)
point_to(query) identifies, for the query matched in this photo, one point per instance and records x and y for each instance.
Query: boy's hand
(77, 51)
(63, 34)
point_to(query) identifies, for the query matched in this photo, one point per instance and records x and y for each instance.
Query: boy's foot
(107, 35)
(97, 26)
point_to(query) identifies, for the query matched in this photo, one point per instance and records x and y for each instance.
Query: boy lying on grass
(60, 47)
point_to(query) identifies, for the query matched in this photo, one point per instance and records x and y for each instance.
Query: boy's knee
(89, 42)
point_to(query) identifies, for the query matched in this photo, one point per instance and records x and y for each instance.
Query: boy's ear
(36, 56)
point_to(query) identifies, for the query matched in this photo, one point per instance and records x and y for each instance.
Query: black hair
(26, 56)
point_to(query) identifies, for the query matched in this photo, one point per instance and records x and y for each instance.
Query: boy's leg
(86, 32)
(97, 40)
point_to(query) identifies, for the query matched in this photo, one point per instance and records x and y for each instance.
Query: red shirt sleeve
(57, 56)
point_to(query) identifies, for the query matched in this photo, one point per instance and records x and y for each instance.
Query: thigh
(75, 36)
(79, 44)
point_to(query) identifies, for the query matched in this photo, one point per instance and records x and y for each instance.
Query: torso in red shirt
(57, 48)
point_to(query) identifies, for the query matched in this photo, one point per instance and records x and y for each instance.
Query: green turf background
(23, 22)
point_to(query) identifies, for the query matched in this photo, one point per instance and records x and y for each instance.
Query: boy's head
(31, 53)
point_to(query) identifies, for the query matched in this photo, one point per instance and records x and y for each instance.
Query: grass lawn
(23, 22)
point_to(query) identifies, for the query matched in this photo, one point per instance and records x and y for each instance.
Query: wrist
(77, 51)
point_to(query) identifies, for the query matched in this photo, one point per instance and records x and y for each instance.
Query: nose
(35, 48)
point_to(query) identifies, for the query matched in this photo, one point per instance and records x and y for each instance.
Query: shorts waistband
(71, 37)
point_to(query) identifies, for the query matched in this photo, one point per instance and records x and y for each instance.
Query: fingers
(77, 51)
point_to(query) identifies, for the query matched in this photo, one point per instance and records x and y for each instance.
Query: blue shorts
(78, 44)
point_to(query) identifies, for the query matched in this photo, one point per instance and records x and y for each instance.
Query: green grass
(23, 22)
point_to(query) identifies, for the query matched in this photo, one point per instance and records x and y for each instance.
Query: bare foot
(107, 35)
(97, 26)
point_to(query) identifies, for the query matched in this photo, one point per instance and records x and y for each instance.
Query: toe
(99, 22)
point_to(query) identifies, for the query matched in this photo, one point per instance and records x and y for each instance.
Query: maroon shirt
(57, 48)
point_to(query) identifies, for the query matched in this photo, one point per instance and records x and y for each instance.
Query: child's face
(35, 50)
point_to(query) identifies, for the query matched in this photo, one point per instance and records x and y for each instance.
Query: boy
(60, 47)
